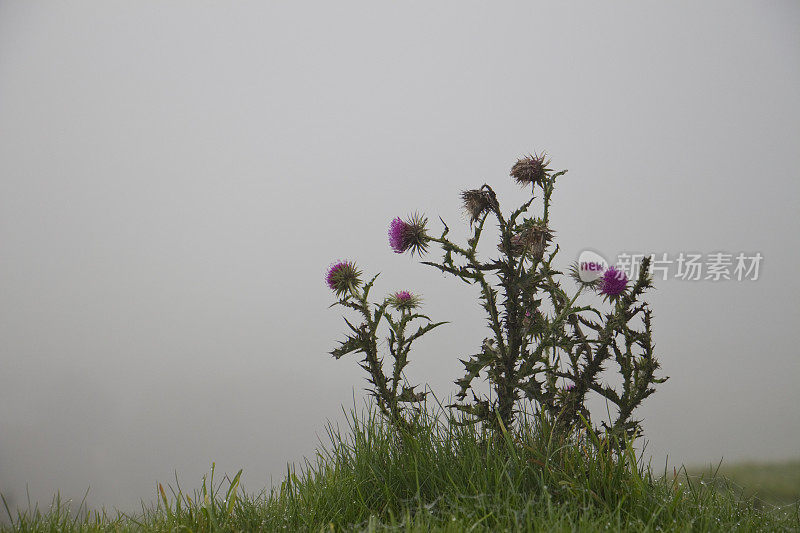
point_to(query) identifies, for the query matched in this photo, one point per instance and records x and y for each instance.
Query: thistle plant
(544, 347)
(397, 400)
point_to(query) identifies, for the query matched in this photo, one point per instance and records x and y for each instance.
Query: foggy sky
(176, 176)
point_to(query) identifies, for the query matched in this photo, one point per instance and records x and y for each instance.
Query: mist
(175, 177)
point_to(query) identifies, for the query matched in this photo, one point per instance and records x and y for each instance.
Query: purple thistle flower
(404, 300)
(343, 276)
(403, 296)
(408, 234)
(397, 229)
(613, 283)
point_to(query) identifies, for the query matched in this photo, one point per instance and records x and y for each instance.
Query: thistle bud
(404, 300)
(567, 393)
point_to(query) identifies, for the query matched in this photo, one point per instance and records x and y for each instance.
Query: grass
(776, 483)
(444, 478)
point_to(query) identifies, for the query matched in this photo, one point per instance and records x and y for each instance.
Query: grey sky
(176, 176)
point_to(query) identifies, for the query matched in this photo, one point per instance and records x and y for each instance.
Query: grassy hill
(776, 483)
(452, 478)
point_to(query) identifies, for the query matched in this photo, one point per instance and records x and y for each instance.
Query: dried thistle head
(476, 203)
(531, 169)
(533, 238)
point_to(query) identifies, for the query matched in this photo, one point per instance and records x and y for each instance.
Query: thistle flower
(531, 169)
(613, 283)
(404, 300)
(409, 234)
(342, 277)
(476, 203)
